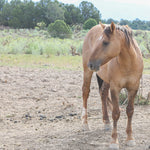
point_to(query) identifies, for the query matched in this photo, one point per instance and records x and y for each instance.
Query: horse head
(107, 46)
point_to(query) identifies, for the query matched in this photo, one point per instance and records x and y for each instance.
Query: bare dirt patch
(40, 110)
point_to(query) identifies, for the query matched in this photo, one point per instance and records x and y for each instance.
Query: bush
(41, 25)
(88, 24)
(59, 29)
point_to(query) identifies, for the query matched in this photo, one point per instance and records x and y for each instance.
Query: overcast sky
(119, 9)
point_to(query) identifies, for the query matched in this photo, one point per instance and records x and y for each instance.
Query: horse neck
(128, 57)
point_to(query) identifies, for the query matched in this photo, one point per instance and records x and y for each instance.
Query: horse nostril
(90, 65)
(94, 65)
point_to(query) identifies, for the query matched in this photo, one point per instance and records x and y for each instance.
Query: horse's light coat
(84, 112)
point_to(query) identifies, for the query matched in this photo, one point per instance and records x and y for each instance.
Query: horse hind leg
(104, 91)
(85, 94)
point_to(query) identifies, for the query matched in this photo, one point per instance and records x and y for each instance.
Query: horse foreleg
(129, 111)
(85, 94)
(115, 115)
(109, 102)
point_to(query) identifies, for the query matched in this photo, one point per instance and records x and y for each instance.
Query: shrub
(41, 25)
(59, 29)
(88, 24)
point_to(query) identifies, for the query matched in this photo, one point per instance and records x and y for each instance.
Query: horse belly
(129, 82)
(132, 82)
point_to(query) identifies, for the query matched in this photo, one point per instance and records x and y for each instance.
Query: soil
(40, 110)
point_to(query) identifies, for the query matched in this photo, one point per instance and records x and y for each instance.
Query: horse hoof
(148, 147)
(85, 127)
(114, 146)
(131, 143)
(107, 127)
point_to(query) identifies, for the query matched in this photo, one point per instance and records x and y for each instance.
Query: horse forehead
(100, 38)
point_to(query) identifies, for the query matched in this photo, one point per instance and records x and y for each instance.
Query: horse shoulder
(103, 73)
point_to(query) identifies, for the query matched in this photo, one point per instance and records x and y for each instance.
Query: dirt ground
(40, 110)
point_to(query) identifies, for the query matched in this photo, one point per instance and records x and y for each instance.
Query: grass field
(146, 66)
(52, 62)
(25, 41)
(32, 48)
(37, 43)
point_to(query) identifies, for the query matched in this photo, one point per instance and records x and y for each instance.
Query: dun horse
(112, 52)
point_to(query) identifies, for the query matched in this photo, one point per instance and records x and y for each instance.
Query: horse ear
(102, 25)
(126, 26)
(112, 27)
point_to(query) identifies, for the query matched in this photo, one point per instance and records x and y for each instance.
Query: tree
(5, 14)
(54, 12)
(124, 22)
(2, 3)
(39, 12)
(88, 10)
(59, 29)
(89, 23)
(21, 14)
(110, 20)
(72, 15)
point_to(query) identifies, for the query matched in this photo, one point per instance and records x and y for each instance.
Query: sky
(118, 9)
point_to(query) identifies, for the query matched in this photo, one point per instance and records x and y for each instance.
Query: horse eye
(105, 43)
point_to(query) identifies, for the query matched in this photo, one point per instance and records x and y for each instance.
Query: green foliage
(136, 24)
(72, 15)
(139, 99)
(88, 10)
(88, 24)
(54, 12)
(143, 39)
(20, 14)
(39, 42)
(59, 29)
(24, 41)
(41, 25)
(27, 13)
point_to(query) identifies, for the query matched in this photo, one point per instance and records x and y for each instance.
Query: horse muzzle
(94, 65)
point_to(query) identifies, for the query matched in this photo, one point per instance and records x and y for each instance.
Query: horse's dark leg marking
(104, 89)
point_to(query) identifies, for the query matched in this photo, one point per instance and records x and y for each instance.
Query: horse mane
(125, 29)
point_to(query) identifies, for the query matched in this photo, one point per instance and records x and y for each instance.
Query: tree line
(27, 14)
(134, 24)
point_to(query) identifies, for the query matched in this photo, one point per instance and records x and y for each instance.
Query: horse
(112, 52)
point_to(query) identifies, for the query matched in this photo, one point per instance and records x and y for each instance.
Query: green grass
(32, 48)
(146, 66)
(53, 62)
(143, 40)
(40, 61)
(36, 43)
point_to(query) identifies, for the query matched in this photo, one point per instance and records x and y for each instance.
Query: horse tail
(109, 101)
(100, 81)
